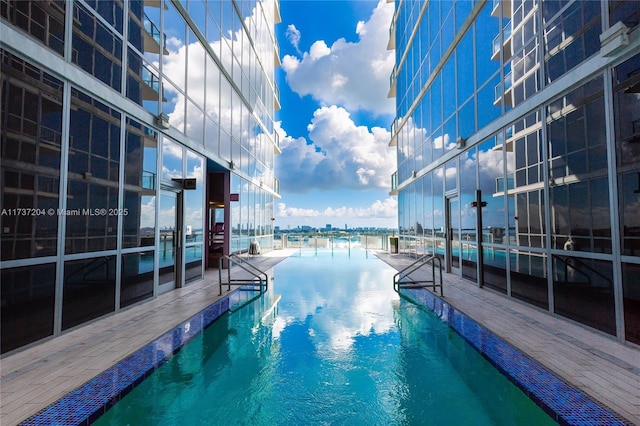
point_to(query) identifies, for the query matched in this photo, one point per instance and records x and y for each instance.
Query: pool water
(330, 343)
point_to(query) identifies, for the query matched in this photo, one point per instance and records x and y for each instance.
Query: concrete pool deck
(595, 364)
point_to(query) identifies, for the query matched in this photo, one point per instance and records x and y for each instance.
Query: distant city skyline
(334, 124)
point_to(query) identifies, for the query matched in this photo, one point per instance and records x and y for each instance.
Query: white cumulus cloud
(352, 74)
(339, 155)
(293, 35)
(387, 208)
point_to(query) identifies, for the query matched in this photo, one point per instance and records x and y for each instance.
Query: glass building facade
(518, 148)
(137, 148)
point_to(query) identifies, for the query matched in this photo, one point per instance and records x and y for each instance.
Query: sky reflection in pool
(340, 347)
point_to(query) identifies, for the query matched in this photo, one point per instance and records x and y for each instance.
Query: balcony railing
(276, 139)
(506, 35)
(500, 184)
(148, 180)
(508, 82)
(150, 79)
(154, 32)
(394, 132)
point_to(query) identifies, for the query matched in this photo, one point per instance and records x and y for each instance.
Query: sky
(334, 125)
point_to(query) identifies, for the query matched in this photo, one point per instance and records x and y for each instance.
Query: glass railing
(150, 79)
(508, 81)
(506, 31)
(334, 240)
(276, 48)
(496, 44)
(394, 181)
(148, 180)
(153, 31)
(498, 92)
(500, 184)
(498, 41)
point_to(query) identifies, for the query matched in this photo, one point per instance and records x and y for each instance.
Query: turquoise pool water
(330, 343)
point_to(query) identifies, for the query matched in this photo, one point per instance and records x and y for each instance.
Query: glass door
(453, 235)
(170, 250)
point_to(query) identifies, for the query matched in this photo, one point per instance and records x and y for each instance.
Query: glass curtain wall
(467, 121)
(82, 181)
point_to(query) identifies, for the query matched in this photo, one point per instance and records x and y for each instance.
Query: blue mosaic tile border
(564, 403)
(88, 402)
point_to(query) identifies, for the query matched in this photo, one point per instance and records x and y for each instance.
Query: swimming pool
(330, 343)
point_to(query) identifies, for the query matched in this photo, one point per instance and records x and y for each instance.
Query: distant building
(125, 124)
(531, 107)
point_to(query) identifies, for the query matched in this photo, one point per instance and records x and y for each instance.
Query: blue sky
(336, 164)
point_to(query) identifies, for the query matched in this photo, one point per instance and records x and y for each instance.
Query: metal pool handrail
(247, 267)
(423, 260)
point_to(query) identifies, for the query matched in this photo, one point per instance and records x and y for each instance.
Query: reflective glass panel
(96, 49)
(529, 277)
(28, 295)
(136, 282)
(140, 188)
(490, 163)
(30, 149)
(94, 157)
(42, 20)
(631, 294)
(627, 125)
(89, 290)
(495, 269)
(583, 291)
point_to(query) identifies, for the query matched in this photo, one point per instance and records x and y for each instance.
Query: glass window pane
(495, 269)
(89, 290)
(42, 20)
(631, 294)
(193, 199)
(490, 163)
(583, 291)
(96, 49)
(193, 263)
(94, 158)
(627, 125)
(136, 281)
(28, 295)
(30, 151)
(140, 186)
(171, 160)
(529, 278)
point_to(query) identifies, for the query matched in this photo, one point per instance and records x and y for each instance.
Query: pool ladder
(259, 280)
(402, 279)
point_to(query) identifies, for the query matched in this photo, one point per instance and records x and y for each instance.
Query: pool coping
(560, 400)
(88, 402)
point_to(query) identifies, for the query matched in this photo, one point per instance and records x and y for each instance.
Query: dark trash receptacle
(394, 244)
